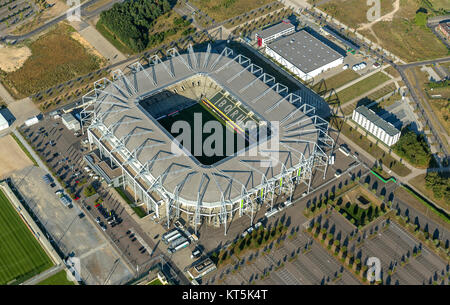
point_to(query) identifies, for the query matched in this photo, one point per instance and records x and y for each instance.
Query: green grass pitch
(21, 256)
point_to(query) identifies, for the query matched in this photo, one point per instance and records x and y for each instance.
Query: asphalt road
(84, 13)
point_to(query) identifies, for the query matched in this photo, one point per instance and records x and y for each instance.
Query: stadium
(273, 138)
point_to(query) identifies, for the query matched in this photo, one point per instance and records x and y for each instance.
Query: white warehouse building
(273, 32)
(381, 129)
(3, 122)
(304, 55)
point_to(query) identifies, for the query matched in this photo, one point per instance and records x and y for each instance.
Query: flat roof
(304, 51)
(3, 121)
(377, 120)
(272, 30)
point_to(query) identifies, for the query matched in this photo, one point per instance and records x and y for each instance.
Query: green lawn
(337, 80)
(21, 256)
(59, 278)
(361, 87)
(155, 282)
(138, 210)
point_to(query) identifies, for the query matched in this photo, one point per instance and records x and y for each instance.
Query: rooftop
(274, 29)
(378, 121)
(304, 51)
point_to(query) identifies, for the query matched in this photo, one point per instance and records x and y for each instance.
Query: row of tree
(131, 20)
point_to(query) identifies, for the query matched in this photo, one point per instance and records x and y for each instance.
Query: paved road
(18, 38)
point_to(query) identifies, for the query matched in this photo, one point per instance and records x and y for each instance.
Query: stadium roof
(274, 29)
(140, 140)
(378, 121)
(304, 51)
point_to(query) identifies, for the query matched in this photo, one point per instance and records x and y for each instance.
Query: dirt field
(12, 158)
(86, 44)
(12, 58)
(56, 57)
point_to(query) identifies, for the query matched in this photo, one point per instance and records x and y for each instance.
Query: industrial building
(370, 121)
(273, 32)
(304, 55)
(122, 118)
(70, 122)
(3, 122)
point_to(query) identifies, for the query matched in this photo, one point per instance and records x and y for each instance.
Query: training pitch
(21, 256)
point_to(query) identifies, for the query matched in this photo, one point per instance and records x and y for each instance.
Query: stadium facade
(122, 118)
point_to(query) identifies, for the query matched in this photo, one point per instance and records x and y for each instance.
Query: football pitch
(21, 256)
(207, 115)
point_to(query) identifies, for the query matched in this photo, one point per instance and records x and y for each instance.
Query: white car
(345, 67)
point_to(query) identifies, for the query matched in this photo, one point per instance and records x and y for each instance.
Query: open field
(340, 10)
(392, 71)
(12, 58)
(382, 92)
(367, 145)
(56, 58)
(220, 10)
(419, 183)
(12, 157)
(361, 87)
(21, 255)
(337, 80)
(407, 40)
(59, 278)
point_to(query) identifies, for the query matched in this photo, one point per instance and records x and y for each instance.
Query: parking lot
(286, 265)
(76, 236)
(14, 11)
(110, 215)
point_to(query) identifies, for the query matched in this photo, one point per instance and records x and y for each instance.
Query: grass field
(401, 36)
(187, 115)
(419, 183)
(337, 80)
(56, 58)
(156, 282)
(59, 278)
(21, 256)
(221, 10)
(340, 10)
(404, 38)
(361, 87)
(138, 210)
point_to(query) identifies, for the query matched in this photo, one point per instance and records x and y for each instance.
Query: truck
(171, 238)
(179, 247)
(169, 234)
(178, 241)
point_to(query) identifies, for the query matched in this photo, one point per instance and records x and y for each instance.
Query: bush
(89, 191)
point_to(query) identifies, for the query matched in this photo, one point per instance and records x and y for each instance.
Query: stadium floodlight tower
(128, 120)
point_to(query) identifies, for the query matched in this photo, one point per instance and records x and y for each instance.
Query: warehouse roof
(277, 28)
(378, 121)
(304, 51)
